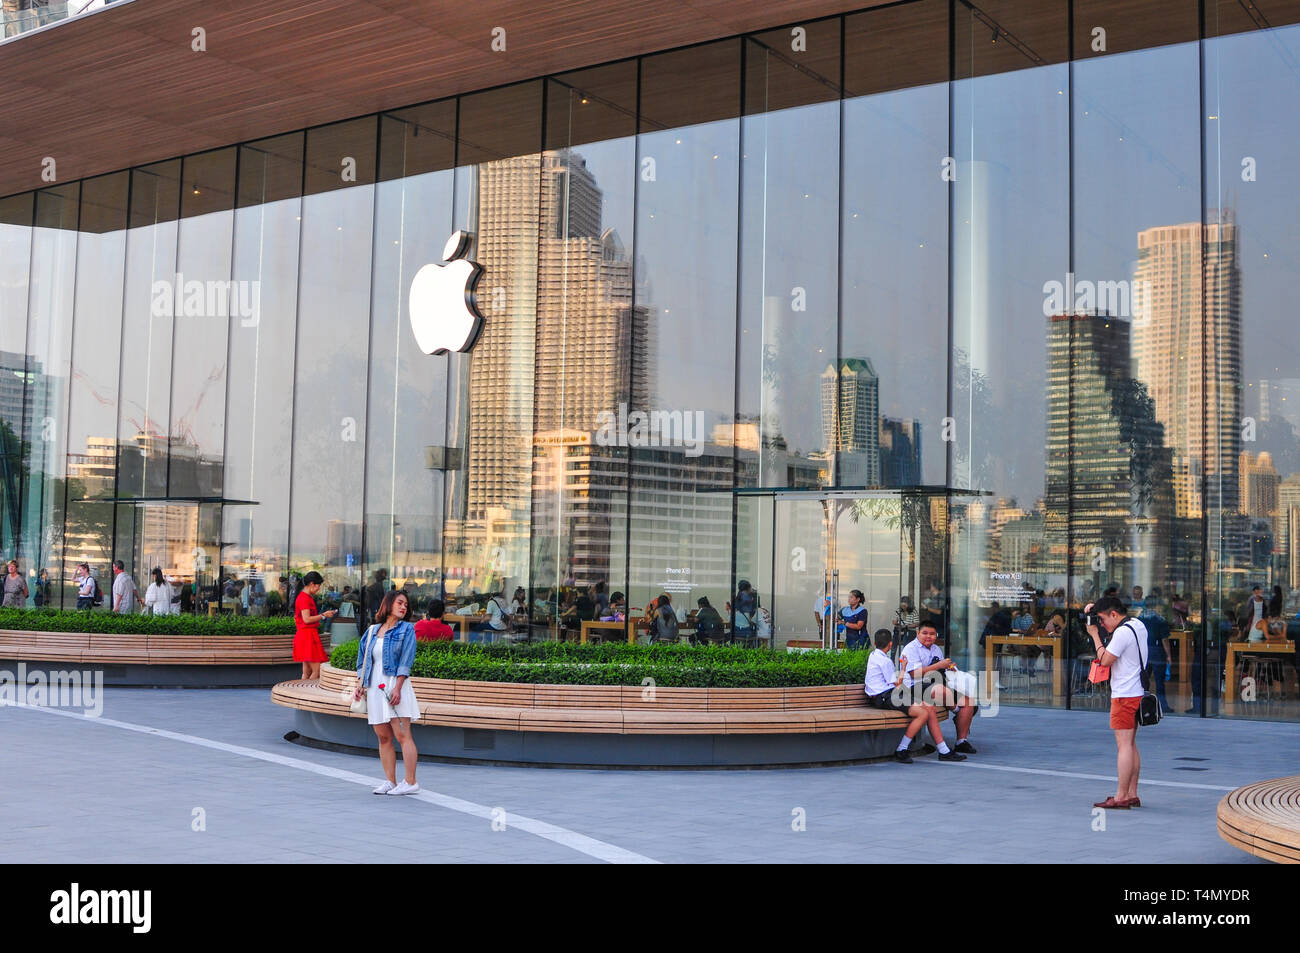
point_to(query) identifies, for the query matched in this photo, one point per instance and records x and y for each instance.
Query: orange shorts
(1123, 712)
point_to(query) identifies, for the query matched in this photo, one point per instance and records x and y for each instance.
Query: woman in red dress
(307, 646)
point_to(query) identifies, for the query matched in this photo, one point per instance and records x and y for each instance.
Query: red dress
(306, 640)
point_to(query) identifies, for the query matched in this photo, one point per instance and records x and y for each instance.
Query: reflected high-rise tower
(851, 420)
(557, 295)
(1108, 469)
(1187, 351)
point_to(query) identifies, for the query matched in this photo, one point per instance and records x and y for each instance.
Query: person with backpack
(88, 594)
(1125, 656)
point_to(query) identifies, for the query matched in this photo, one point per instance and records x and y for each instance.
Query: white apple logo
(444, 316)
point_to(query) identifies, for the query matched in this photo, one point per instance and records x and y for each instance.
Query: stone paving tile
(120, 794)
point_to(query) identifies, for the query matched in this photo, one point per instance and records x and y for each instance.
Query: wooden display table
(1231, 684)
(991, 643)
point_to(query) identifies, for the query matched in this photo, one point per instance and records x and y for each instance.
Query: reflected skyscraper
(851, 420)
(1187, 351)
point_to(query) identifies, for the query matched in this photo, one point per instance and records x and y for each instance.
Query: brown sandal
(1111, 803)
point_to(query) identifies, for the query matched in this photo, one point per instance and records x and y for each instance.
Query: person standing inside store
(307, 647)
(384, 660)
(1126, 655)
(1158, 649)
(15, 587)
(125, 593)
(158, 597)
(854, 617)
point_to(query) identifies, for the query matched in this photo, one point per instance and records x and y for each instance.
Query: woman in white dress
(384, 660)
(158, 597)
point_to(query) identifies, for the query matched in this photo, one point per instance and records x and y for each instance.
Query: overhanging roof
(123, 87)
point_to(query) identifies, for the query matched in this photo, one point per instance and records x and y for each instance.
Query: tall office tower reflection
(851, 420)
(574, 325)
(1187, 350)
(900, 452)
(1108, 469)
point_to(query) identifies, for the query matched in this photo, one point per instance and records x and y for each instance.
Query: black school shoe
(902, 757)
(966, 748)
(952, 756)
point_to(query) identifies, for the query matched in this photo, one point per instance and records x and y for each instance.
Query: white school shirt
(880, 673)
(916, 655)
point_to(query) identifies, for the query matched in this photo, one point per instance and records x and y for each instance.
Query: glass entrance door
(822, 545)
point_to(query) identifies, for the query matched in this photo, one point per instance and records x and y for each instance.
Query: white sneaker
(384, 788)
(403, 788)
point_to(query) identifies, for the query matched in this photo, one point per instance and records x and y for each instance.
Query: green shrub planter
(670, 666)
(71, 620)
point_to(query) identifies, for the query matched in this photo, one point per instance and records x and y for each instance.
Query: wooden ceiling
(123, 87)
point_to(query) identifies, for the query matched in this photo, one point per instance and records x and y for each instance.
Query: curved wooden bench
(1264, 819)
(617, 709)
(126, 649)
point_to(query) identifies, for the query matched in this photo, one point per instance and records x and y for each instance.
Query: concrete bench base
(610, 725)
(589, 750)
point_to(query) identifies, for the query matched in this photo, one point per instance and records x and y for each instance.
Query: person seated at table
(431, 628)
(616, 611)
(921, 658)
(1023, 620)
(709, 626)
(883, 686)
(519, 601)
(664, 626)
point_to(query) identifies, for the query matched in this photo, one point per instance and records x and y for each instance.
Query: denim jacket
(399, 651)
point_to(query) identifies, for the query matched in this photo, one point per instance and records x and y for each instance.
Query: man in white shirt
(124, 591)
(883, 688)
(1127, 657)
(921, 657)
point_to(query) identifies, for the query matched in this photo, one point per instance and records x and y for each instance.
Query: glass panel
(1010, 221)
(48, 368)
(789, 250)
(207, 299)
(1251, 264)
(333, 328)
(1125, 346)
(92, 417)
(15, 412)
(894, 332)
(497, 180)
(591, 341)
(681, 437)
(259, 395)
(408, 388)
(144, 407)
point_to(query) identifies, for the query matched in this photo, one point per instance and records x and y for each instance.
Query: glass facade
(980, 311)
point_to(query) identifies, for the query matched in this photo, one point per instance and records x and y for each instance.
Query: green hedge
(671, 666)
(71, 620)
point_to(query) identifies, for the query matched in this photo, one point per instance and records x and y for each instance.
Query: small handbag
(1148, 712)
(1098, 673)
(359, 705)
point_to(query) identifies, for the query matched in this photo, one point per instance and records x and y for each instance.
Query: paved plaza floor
(194, 776)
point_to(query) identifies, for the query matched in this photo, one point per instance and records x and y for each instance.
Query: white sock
(943, 747)
(904, 744)
(961, 741)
